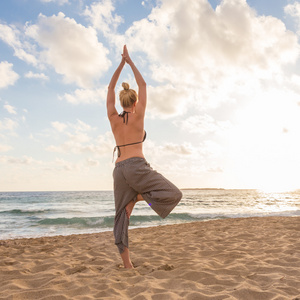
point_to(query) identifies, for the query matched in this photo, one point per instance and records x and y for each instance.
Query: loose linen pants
(134, 176)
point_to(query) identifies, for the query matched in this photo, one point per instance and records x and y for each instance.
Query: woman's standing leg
(126, 259)
(123, 195)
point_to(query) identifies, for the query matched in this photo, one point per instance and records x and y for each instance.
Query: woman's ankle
(139, 197)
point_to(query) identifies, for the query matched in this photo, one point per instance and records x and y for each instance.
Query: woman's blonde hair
(127, 96)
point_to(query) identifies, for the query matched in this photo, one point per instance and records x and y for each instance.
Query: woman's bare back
(128, 131)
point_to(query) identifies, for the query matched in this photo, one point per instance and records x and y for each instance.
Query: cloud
(24, 160)
(12, 37)
(10, 109)
(167, 101)
(183, 149)
(80, 143)
(92, 163)
(294, 11)
(200, 49)
(80, 126)
(187, 35)
(5, 148)
(7, 74)
(174, 160)
(78, 138)
(72, 49)
(59, 126)
(64, 165)
(203, 124)
(42, 76)
(8, 124)
(101, 16)
(85, 96)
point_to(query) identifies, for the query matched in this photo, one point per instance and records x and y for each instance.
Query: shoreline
(143, 227)
(241, 258)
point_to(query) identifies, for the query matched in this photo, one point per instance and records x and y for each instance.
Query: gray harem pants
(134, 176)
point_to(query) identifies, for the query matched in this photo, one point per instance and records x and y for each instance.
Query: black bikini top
(124, 115)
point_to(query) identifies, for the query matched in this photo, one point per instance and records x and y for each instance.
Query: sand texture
(251, 258)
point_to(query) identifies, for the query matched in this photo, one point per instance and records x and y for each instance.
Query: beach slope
(247, 258)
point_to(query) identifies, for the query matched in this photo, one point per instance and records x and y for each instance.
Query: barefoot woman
(134, 179)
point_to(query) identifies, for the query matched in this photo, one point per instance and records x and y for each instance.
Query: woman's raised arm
(111, 97)
(142, 92)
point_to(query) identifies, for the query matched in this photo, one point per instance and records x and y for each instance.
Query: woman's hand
(125, 55)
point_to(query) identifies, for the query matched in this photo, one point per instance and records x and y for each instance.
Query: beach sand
(248, 258)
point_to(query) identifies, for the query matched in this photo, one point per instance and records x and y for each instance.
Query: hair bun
(125, 86)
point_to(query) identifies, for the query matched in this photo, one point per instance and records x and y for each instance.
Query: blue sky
(223, 90)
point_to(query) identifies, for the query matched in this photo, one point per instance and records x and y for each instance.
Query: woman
(134, 179)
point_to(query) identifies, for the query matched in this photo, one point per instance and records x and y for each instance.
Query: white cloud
(80, 126)
(197, 48)
(8, 124)
(102, 18)
(186, 162)
(7, 74)
(79, 138)
(92, 163)
(24, 160)
(231, 35)
(182, 149)
(5, 148)
(85, 96)
(10, 109)
(82, 143)
(12, 36)
(42, 76)
(72, 49)
(294, 11)
(203, 124)
(167, 101)
(59, 126)
(62, 164)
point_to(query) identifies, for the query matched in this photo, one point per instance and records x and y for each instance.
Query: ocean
(36, 214)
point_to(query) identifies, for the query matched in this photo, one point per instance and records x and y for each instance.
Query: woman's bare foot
(129, 207)
(128, 266)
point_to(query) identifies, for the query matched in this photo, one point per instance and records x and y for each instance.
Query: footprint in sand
(74, 270)
(146, 268)
(166, 267)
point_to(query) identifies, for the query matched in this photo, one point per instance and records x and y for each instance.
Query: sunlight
(264, 146)
(279, 189)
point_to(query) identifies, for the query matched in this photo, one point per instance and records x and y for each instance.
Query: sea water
(36, 214)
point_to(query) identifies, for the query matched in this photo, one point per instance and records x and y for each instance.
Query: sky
(223, 82)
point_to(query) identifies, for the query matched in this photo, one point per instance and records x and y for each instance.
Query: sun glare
(278, 189)
(265, 145)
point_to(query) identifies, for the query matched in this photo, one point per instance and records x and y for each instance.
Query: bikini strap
(145, 135)
(118, 146)
(124, 115)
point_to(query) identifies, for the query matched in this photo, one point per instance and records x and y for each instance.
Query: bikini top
(124, 115)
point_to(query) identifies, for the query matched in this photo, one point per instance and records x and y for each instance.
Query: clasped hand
(125, 55)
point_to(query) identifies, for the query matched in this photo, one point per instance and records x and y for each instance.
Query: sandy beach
(247, 258)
